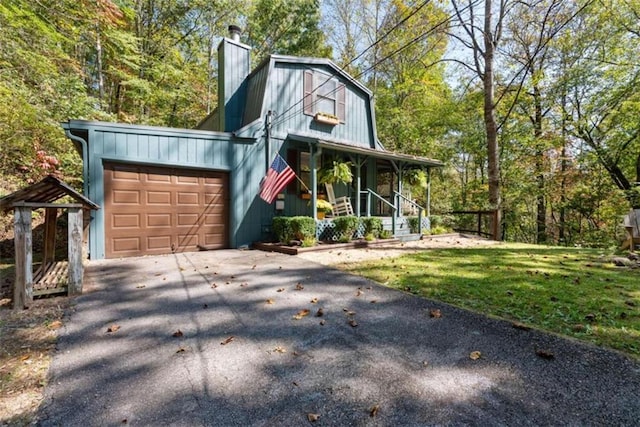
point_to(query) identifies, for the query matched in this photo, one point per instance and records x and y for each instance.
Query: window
(300, 162)
(323, 94)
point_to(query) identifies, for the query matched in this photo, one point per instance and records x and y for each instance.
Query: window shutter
(308, 93)
(341, 102)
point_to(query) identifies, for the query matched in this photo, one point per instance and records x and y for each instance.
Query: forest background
(533, 106)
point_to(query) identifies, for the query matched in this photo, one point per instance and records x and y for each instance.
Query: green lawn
(574, 292)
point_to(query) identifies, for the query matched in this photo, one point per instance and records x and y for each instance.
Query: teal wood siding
(284, 95)
(256, 87)
(175, 148)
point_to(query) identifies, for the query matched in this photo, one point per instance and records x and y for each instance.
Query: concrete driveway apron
(250, 338)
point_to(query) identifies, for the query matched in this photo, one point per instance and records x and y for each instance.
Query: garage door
(153, 211)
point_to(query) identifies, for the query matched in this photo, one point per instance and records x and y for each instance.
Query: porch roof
(370, 152)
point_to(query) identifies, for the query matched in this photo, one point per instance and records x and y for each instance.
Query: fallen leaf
(302, 313)
(141, 286)
(545, 354)
(181, 350)
(294, 383)
(475, 355)
(228, 340)
(213, 285)
(358, 293)
(351, 313)
(374, 410)
(205, 305)
(254, 267)
(314, 300)
(322, 322)
(178, 333)
(353, 323)
(280, 290)
(299, 287)
(113, 328)
(280, 349)
(320, 312)
(25, 357)
(56, 324)
(242, 285)
(373, 301)
(313, 417)
(435, 313)
(232, 277)
(517, 325)
(270, 301)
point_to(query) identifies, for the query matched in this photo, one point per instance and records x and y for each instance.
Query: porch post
(397, 201)
(358, 184)
(314, 180)
(429, 195)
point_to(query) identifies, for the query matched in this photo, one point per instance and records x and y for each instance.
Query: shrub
(309, 242)
(386, 234)
(372, 226)
(304, 227)
(282, 229)
(346, 226)
(413, 224)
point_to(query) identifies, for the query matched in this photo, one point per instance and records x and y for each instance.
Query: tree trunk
(489, 117)
(541, 215)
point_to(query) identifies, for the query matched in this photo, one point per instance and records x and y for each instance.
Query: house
(165, 190)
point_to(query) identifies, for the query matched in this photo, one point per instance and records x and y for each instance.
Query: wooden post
(76, 269)
(23, 286)
(49, 236)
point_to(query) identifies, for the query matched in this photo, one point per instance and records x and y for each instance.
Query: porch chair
(632, 225)
(340, 205)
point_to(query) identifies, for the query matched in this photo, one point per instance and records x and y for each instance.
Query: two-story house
(164, 190)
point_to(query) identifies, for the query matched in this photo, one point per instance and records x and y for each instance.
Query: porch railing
(370, 194)
(400, 196)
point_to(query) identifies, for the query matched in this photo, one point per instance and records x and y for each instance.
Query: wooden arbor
(43, 195)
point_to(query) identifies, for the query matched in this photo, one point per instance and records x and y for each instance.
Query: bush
(372, 226)
(413, 224)
(304, 227)
(282, 229)
(346, 226)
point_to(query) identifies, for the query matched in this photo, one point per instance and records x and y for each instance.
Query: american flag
(278, 176)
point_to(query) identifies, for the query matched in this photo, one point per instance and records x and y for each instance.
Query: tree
(287, 28)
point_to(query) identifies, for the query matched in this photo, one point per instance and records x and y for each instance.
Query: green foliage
(413, 224)
(372, 226)
(282, 229)
(308, 242)
(286, 27)
(338, 172)
(346, 226)
(304, 227)
(386, 234)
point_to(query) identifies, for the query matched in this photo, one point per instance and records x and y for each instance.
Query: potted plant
(323, 207)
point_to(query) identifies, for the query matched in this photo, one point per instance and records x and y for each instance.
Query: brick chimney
(234, 65)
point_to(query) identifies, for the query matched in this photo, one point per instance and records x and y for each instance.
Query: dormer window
(324, 96)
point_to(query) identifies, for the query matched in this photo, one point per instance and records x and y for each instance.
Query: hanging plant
(416, 178)
(338, 172)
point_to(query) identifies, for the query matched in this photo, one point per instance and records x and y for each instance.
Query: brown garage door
(153, 211)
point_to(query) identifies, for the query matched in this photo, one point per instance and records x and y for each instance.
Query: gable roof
(44, 192)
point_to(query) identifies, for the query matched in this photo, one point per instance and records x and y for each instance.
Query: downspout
(85, 161)
(267, 142)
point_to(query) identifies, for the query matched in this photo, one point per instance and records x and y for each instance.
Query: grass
(573, 292)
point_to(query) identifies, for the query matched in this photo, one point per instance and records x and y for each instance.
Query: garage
(154, 210)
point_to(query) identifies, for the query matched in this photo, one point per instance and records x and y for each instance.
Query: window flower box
(326, 118)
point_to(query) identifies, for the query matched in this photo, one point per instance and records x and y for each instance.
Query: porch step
(402, 226)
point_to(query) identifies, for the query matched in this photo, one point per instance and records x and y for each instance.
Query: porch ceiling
(370, 152)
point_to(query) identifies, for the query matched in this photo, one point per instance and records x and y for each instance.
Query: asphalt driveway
(235, 338)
